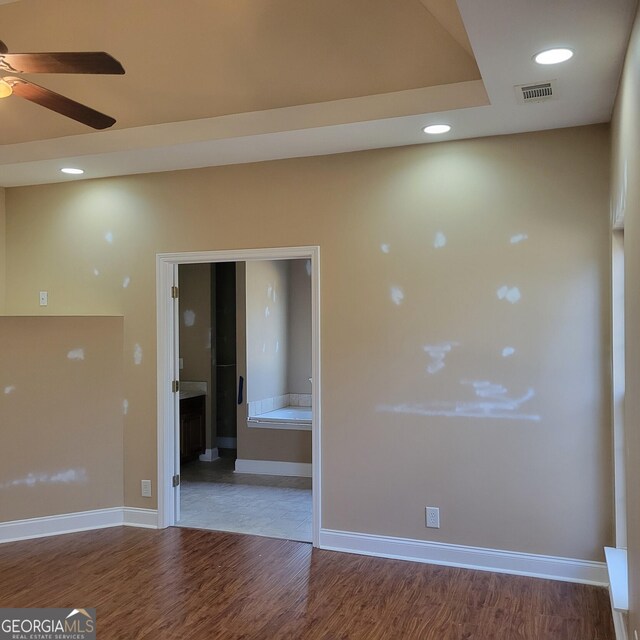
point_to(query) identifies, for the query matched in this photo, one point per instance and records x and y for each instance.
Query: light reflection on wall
(69, 476)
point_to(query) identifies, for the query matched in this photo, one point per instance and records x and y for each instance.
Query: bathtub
(284, 418)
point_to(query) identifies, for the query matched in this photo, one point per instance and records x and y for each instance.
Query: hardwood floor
(187, 583)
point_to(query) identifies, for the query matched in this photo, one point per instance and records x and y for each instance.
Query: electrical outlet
(146, 488)
(432, 517)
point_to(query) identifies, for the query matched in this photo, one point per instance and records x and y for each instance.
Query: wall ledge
(80, 521)
(511, 562)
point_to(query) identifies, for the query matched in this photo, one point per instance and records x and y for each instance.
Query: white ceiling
(504, 35)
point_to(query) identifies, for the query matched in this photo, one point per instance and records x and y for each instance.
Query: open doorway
(245, 329)
(240, 439)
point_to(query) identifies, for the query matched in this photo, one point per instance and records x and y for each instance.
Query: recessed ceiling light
(435, 129)
(72, 171)
(553, 56)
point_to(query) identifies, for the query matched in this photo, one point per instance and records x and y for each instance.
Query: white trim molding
(525, 564)
(617, 569)
(168, 369)
(209, 455)
(617, 354)
(73, 522)
(256, 423)
(619, 624)
(274, 468)
(80, 521)
(145, 518)
(59, 524)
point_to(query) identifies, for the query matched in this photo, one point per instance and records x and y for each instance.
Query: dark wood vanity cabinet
(192, 428)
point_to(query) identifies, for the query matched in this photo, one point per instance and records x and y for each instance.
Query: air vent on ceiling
(539, 92)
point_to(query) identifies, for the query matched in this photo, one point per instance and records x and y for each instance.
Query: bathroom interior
(245, 349)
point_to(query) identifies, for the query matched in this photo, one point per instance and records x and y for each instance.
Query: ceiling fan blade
(76, 62)
(3, 47)
(60, 104)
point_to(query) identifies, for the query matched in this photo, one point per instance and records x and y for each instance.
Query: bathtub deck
(294, 415)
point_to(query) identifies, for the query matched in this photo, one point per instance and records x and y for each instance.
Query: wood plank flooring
(192, 584)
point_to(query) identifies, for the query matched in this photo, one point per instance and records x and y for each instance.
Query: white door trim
(167, 353)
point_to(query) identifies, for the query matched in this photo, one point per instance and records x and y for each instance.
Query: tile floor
(213, 496)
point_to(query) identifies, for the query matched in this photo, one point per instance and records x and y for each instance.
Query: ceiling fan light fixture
(5, 89)
(82, 62)
(72, 171)
(553, 56)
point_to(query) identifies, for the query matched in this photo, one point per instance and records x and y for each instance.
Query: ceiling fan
(76, 62)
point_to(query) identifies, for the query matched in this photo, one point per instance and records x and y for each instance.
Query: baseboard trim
(59, 524)
(525, 564)
(538, 566)
(27, 529)
(274, 468)
(209, 455)
(145, 518)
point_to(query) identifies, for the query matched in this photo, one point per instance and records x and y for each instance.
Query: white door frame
(167, 353)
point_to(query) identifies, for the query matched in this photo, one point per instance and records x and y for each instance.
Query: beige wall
(267, 305)
(256, 443)
(61, 410)
(278, 328)
(625, 196)
(299, 329)
(279, 445)
(398, 299)
(2, 250)
(195, 329)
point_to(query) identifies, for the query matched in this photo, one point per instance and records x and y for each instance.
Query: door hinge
(174, 292)
(176, 481)
(175, 386)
